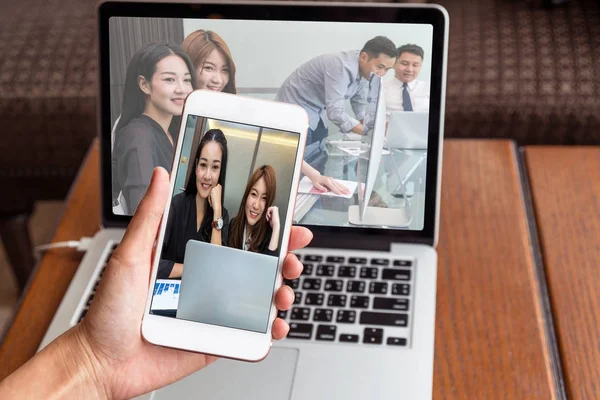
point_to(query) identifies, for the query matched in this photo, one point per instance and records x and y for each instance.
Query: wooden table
(490, 336)
(565, 186)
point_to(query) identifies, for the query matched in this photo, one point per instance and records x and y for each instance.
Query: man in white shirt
(405, 92)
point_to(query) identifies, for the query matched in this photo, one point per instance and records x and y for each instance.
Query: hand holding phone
(228, 226)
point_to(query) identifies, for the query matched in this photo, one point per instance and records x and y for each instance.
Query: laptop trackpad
(234, 380)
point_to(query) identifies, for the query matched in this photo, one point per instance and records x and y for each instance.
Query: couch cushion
(47, 95)
(520, 71)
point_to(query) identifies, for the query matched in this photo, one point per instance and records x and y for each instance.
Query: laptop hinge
(345, 241)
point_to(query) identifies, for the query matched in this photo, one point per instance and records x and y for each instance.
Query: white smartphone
(226, 226)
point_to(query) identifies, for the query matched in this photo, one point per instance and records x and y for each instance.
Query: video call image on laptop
(369, 137)
(229, 203)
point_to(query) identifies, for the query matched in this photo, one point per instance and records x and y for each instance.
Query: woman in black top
(159, 77)
(198, 212)
(256, 227)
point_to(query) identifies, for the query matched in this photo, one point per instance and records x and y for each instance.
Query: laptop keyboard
(341, 299)
(90, 297)
(352, 300)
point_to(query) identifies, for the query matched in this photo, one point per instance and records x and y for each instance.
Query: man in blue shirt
(322, 85)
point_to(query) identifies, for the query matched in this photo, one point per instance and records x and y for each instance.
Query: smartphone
(225, 229)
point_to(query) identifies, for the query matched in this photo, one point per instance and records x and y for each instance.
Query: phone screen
(219, 260)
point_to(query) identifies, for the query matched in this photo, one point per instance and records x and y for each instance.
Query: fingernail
(154, 172)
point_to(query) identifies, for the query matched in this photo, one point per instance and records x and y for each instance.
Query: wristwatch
(218, 224)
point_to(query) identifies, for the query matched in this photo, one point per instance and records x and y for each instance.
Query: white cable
(81, 245)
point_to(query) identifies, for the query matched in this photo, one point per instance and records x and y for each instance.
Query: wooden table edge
(94, 146)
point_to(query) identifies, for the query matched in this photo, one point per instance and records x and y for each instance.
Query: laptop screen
(366, 159)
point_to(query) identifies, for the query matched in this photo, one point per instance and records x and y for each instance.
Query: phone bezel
(211, 339)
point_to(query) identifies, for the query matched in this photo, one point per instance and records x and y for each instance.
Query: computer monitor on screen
(373, 138)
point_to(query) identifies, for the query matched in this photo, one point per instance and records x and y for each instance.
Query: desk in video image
(218, 263)
(366, 150)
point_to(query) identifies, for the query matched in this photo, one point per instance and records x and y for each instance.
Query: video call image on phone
(219, 260)
(365, 87)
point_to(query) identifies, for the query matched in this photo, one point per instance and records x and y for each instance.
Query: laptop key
(293, 283)
(396, 341)
(355, 287)
(314, 299)
(359, 301)
(323, 315)
(326, 332)
(396, 274)
(390, 303)
(346, 316)
(336, 300)
(349, 338)
(335, 259)
(383, 319)
(373, 336)
(311, 284)
(402, 263)
(325, 270)
(357, 260)
(300, 313)
(297, 297)
(282, 314)
(313, 258)
(380, 261)
(369, 272)
(401, 289)
(346, 272)
(334, 285)
(308, 269)
(378, 287)
(300, 331)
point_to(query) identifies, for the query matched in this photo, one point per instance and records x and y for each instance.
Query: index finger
(143, 228)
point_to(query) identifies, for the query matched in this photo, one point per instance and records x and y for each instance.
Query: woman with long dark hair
(213, 63)
(256, 227)
(159, 78)
(198, 213)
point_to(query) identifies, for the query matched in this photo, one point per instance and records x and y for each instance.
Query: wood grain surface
(489, 333)
(54, 273)
(565, 186)
(490, 341)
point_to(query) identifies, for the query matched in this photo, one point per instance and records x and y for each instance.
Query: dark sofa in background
(516, 70)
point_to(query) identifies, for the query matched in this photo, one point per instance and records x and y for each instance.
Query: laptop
(362, 326)
(243, 304)
(408, 130)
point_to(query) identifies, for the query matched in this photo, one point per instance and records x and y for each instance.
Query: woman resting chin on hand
(256, 226)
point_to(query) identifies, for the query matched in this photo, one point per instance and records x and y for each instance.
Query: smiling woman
(256, 226)
(198, 213)
(159, 77)
(213, 63)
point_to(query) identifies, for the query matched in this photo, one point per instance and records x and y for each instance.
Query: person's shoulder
(136, 131)
(180, 199)
(423, 85)
(392, 82)
(388, 83)
(339, 58)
